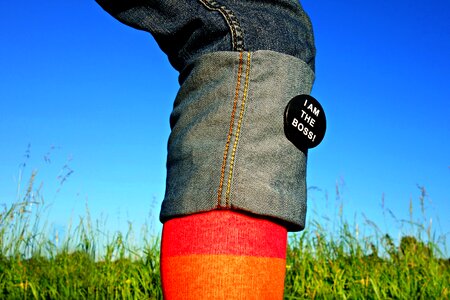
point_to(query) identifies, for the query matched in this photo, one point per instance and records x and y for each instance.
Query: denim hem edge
(227, 148)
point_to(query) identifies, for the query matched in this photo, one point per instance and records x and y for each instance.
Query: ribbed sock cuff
(223, 254)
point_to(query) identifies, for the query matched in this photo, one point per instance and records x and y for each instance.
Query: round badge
(304, 122)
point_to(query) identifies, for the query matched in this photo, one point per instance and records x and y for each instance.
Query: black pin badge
(304, 122)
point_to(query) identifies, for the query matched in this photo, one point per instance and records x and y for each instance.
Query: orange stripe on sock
(223, 232)
(223, 277)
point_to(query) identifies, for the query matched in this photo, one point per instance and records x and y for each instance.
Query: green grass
(321, 264)
(346, 268)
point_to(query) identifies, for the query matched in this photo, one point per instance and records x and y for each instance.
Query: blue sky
(90, 93)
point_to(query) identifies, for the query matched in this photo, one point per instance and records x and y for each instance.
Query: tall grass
(342, 264)
(88, 264)
(344, 267)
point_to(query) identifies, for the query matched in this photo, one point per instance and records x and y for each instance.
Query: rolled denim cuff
(227, 148)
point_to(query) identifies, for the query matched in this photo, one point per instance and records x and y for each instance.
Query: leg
(223, 255)
(240, 62)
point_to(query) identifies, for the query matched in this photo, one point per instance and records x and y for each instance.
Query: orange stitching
(238, 130)
(230, 131)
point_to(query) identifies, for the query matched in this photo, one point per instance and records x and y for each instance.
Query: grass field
(35, 264)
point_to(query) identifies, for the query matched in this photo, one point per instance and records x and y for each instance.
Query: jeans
(240, 62)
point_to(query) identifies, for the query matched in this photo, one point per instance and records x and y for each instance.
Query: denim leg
(227, 148)
(277, 25)
(240, 62)
(187, 29)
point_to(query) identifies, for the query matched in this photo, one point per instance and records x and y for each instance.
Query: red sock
(223, 254)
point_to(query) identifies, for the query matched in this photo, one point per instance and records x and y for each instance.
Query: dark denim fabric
(187, 29)
(240, 62)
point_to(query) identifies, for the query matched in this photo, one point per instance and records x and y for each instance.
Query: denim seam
(231, 120)
(230, 131)
(237, 36)
(238, 130)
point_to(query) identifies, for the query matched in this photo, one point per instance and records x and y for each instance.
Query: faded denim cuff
(227, 148)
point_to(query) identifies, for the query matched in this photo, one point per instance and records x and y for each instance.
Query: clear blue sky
(97, 95)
